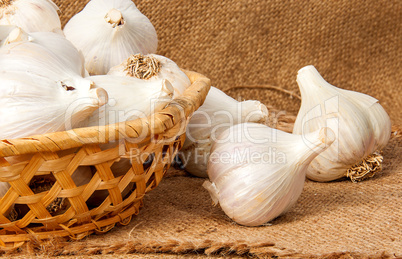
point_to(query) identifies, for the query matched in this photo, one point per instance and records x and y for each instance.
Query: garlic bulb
(56, 43)
(39, 56)
(361, 124)
(129, 99)
(108, 32)
(40, 92)
(30, 15)
(257, 173)
(218, 113)
(31, 105)
(153, 67)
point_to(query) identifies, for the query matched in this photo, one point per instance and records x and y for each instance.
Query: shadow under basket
(60, 207)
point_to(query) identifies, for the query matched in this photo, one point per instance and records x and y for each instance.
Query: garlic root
(367, 168)
(142, 67)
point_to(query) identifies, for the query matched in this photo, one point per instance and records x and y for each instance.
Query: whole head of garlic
(108, 32)
(30, 15)
(361, 124)
(32, 104)
(42, 92)
(257, 173)
(153, 67)
(36, 53)
(62, 48)
(218, 113)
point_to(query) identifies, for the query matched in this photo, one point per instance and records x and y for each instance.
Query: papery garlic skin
(361, 124)
(63, 48)
(129, 99)
(165, 69)
(257, 173)
(30, 15)
(218, 113)
(108, 32)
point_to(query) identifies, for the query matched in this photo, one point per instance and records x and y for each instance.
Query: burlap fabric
(355, 45)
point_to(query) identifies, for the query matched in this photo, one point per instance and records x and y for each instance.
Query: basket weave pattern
(150, 143)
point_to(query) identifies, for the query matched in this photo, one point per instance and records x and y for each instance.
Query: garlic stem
(114, 17)
(167, 88)
(142, 67)
(17, 35)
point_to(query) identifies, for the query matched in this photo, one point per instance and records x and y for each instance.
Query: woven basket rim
(159, 122)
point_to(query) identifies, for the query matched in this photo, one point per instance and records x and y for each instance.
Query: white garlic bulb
(153, 67)
(257, 173)
(108, 32)
(30, 15)
(129, 99)
(31, 105)
(218, 113)
(54, 42)
(38, 56)
(40, 92)
(361, 124)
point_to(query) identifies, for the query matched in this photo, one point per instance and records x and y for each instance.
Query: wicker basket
(156, 139)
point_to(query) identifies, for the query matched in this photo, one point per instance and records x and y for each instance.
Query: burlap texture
(355, 45)
(330, 220)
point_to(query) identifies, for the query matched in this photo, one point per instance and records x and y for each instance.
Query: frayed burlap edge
(58, 247)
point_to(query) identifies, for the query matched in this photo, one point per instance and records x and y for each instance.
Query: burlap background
(355, 45)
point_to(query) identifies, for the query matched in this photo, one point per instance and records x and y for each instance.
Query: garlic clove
(257, 173)
(361, 124)
(218, 113)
